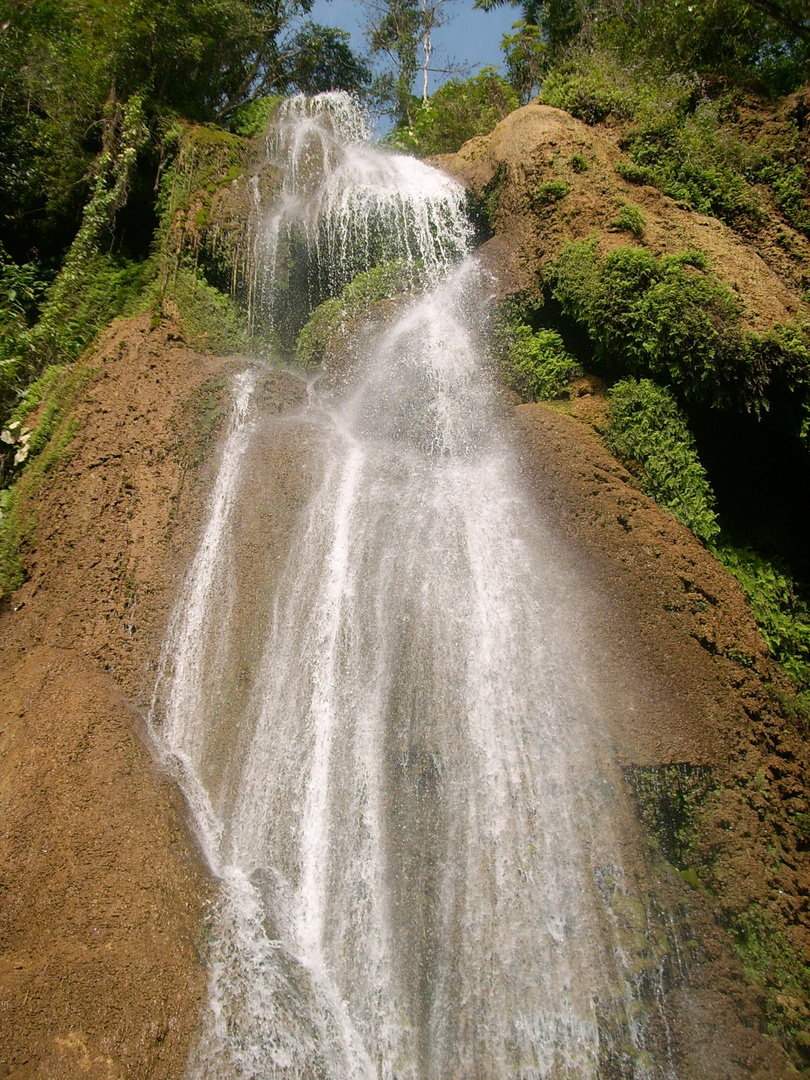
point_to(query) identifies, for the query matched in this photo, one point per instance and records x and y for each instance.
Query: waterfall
(387, 733)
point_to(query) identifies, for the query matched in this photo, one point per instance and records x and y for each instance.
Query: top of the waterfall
(336, 109)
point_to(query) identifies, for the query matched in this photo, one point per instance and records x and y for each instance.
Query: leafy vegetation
(211, 320)
(549, 192)
(771, 961)
(458, 111)
(649, 431)
(537, 364)
(90, 107)
(52, 396)
(629, 219)
(671, 320)
(782, 616)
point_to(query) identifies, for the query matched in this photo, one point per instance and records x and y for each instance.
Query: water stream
(390, 738)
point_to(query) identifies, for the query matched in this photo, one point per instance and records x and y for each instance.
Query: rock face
(103, 896)
(546, 178)
(101, 924)
(719, 703)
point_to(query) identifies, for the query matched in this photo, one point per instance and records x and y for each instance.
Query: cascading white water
(394, 762)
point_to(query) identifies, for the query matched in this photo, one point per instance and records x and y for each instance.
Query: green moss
(203, 414)
(691, 878)
(491, 195)
(254, 119)
(647, 428)
(199, 162)
(771, 961)
(380, 283)
(537, 365)
(669, 800)
(210, 319)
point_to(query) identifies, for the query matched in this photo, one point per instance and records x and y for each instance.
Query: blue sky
(472, 38)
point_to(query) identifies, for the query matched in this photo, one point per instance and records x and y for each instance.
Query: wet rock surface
(102, 927)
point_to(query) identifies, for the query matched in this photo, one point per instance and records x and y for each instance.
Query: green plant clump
(537, 364)
(633, 173)
(369, 287)
(670, 319)
(772, 962)
(209, 317)
(783, 618)
(629, 219)
(592, 88)
(648, 429)
(670, 799)
(693, 154)
(203, 414)
(253, 119)
(55, 391)
(550, 192)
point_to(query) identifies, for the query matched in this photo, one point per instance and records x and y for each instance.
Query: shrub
(694, 155)
(633, 173)
(648, 429)
(21, 291)
(56, 391)
(549, 192)
(537, 364)
(106, 288)
(629, 219)
(209, 317)
(783, 618)
(591, 87)
(253, 119)
(679, 140)
(668, 318)
(579, 163)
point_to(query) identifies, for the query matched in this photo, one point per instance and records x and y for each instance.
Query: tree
(318, 58)
(793, 15)
(457, 111)
(61, 63)
(397, 30)
(433, 17)
(393, 29)
(526, 56)
(558, 21)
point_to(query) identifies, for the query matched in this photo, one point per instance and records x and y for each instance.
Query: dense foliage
(671, 319)
(458, 111)
(537, 363)
(648, 430)
(783, 617)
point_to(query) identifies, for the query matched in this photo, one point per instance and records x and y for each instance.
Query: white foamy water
(404, 802)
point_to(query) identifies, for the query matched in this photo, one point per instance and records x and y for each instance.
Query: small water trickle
(386, 738)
